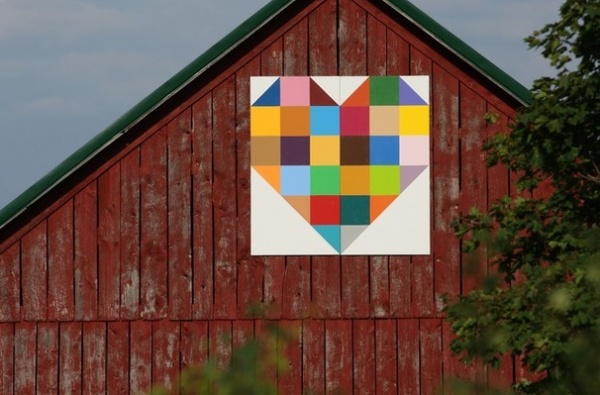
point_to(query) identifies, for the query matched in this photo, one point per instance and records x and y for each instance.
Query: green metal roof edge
(131, 117)
(456, 45)
(222, 47)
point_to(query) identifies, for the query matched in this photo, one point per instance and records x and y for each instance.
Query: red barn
(130, 260)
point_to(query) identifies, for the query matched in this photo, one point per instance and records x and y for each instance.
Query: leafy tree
(544, 240)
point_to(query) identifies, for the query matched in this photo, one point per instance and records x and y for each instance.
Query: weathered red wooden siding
(142, 264)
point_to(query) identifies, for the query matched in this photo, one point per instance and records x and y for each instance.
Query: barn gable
(136, 249)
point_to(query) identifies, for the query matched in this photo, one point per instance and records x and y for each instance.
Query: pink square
(354, 121)
(414, 151)
(295, 91)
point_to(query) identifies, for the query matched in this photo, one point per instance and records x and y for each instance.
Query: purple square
(295, 151)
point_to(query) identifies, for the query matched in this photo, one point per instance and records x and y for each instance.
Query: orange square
(295, 121)
(355, 180)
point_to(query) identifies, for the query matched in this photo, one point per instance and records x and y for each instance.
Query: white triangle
(348, 86)
(419, 84)
(258, 86)
(276, 228)
(331, 86)
(403, 228)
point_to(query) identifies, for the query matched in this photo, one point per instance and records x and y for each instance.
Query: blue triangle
(271, 97)
(331, 234)
(408, 96)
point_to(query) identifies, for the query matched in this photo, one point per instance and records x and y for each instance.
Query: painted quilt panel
(340, 165)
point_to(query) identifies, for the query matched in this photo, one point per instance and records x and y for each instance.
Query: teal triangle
(408, 96)
(271, 97)
(331, 234)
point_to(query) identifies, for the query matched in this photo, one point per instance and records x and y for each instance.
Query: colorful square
(340, 151)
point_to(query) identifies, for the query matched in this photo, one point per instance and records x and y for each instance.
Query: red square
(324, 210)
(354, 121)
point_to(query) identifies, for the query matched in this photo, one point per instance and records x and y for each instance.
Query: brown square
(295, 121)
(354, 150)
(265, 151)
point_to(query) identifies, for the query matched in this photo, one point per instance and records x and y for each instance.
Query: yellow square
(414, 120)
(265, 121)
(324, 150)
(355, 180)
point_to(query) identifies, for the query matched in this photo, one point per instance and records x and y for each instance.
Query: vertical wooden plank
(355, 287)
(363, 360)
(250, 269)
(193, 344)
(109, 239)
(352, 37)
(202, 215)
(379, 279)
(296, 295)
(326, 293)
(117, 364)
(400, 286)
(265, 332)
(86, 262)
(242, 332)
(7, 357)
(224, 210)
(25, 360)
(322, 39)
(165, 354)
(130, 236)
(398, 54)
(376, 46)
(445, 136)
(473, 188)
(10, 282)
(313, 357)
(153, 265)
(295, 49)
(140, 364)
(290, 346)
(386, 352)
(61, 301)
(453, 368)
(274, 267)
(94, 357)
(34, 273)
(220, 342)
(70, 363)
(323, 58)
(180, 216)
(338, 356)
(409, 363)
(431, 355)
(47, 357)
(423, 295)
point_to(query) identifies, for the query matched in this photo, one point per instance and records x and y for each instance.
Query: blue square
(325, 121)
(384, 150)
(295, 180)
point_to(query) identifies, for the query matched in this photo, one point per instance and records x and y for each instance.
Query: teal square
(355, 210)
(325, 180)
(384, 91)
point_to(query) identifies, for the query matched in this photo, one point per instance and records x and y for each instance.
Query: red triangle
(318, 97)
(361, 96)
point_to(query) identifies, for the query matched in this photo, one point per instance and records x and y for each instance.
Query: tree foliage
(544, 240)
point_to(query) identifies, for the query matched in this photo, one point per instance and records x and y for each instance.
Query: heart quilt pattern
(330, 156)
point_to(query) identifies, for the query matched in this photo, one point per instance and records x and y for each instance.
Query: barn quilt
(340, 165)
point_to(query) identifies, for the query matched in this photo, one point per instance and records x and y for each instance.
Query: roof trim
(213, 55)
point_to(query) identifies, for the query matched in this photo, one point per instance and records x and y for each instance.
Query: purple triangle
(408, 174)
(408, 96)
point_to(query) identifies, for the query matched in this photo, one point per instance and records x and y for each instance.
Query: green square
(355, 210)
(384, 91)
(385, 180)
(325, 180)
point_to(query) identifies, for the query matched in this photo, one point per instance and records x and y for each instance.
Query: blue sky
(69, 68)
